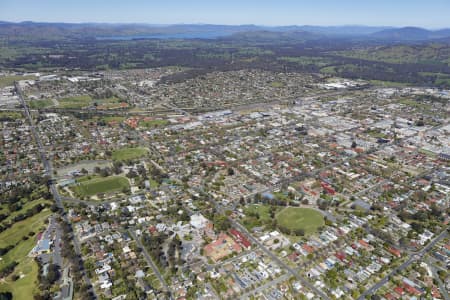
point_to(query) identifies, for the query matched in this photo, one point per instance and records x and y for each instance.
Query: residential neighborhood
(291, 187)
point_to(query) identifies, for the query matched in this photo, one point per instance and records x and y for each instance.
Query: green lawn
(412, 103)
(295, 218)
(75, 102)
(277, 84)
(129, 153)
(153, 183)
(261, 210)
(34, 104)
(11, 115)
(101, 185)
(23, 288)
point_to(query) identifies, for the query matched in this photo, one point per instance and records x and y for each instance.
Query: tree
(53, 273)
(6, 296)
(221, 222)
(230, 171)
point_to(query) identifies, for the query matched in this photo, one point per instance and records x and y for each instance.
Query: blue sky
(425, 13)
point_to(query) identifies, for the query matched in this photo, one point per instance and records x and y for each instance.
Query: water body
(179, 36)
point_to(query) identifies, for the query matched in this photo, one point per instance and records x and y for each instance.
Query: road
(412, 258)
(48, 172)
(149, 260)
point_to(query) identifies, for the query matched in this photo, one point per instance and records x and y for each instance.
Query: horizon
(327, 13)
(230, 25)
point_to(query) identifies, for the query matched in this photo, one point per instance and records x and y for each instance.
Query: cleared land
(101, 185)
(295, 218)
(129, 153)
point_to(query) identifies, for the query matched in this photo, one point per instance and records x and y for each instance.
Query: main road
(48, 172)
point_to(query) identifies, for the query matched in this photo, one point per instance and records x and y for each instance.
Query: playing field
(295, 218)
(101, 185)
(129, 153)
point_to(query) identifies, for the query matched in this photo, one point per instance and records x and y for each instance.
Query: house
(241, 239)
(395, 252)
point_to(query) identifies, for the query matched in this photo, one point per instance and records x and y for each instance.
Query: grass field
(34, 104)
(412, 103)
(261, 210)
(10, 115)
(277, 84)
(75, 102)
(295, 218)
(101, 185)
(129, 153)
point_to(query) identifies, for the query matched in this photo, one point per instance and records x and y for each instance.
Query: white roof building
(198, 221)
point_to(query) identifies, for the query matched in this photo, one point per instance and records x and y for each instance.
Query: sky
(423, 13)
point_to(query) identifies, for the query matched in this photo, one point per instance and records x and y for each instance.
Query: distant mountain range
(52, 31)
(411, 33)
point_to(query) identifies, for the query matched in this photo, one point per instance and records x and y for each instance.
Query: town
(248, 184)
